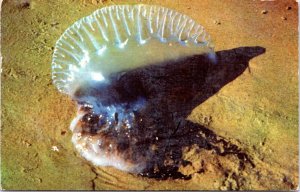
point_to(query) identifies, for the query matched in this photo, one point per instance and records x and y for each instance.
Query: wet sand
(248, 112)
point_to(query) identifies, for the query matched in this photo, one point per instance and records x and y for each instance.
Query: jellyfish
(90, 64)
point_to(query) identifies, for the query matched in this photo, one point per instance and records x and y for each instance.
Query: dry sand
(255, 114)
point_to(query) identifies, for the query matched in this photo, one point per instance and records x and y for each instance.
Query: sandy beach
(247, 112)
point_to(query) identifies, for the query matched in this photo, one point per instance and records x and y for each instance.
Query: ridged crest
(121, 37)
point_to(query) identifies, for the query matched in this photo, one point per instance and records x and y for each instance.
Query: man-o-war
(90, 63)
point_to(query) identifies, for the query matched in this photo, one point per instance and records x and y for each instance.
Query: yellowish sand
(258, 111)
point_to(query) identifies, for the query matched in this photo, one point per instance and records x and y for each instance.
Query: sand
(250, 115)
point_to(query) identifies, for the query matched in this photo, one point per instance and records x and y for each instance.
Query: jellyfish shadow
(172, 90)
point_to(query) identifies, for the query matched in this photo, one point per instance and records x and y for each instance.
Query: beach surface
(249, 116)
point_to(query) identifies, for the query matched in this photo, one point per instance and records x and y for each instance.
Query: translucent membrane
(123, 37)
(113, 40)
